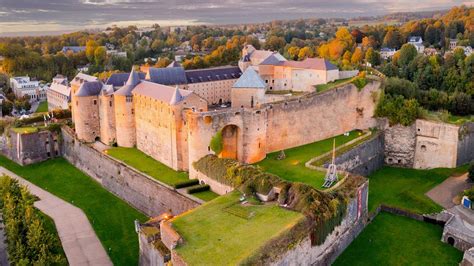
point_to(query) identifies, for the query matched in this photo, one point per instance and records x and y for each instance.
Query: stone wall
(399, 146)
(465, 151)
(336, 242)
(365, 158)
(28, 148)
(348, 74)
(216, 186)
(139, 190)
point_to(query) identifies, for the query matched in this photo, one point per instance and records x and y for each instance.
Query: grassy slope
(406, 188)
(396, 240)
(205, 195)
(330, 85)
(292, 168)
(148, 165)
(42, 107)
(215, 237)
(111, 218)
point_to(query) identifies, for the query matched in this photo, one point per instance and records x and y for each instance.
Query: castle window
(110, 103)
(95, 102)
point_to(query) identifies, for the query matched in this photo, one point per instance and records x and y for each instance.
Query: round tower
(124, 112)
(86, 105)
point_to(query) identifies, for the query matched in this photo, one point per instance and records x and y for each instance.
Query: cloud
(76, 14)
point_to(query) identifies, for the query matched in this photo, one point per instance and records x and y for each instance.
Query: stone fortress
(172, 114)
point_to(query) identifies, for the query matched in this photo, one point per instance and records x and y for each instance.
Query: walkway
(79, 241)
(444, 193)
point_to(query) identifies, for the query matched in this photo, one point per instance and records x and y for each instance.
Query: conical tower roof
(250, 79)
(132, 81)
(177, 97)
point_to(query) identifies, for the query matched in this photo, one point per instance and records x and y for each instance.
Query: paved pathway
(79, 241)
(444, 193)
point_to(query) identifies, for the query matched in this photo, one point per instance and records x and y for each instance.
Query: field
(222, 232)
(396, 240)
(293, 168)
(148, 165)
(42, 107)
(111, 218)
(406, 188)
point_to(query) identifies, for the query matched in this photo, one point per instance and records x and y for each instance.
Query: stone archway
(230, 134)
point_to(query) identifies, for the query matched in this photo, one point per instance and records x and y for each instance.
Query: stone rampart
(139, 190)
(466, 144)
(216, 186)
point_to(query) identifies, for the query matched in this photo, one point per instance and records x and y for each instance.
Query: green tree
(407, 54)
(392, 39)
(372, 56)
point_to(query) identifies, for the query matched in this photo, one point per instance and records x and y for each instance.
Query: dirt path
(444, 193)
(79, 241)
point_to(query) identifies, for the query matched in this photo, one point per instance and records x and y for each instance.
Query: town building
(452, 44)
(59, 94)
(387, 53)
(25, 86)
(73, 49)
(417, 41)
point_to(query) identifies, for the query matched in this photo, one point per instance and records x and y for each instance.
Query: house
(59, 94)
(386, 52)
(25, 86)
(467, 49)
(452, 44)
(73, 49)
(116, 53)
(430, 51)
(417, 41)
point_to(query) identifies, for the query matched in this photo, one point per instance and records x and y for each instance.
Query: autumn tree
(91, 46)
(357, 56)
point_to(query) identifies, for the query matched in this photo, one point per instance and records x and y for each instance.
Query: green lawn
(292, 168)
(148, 165)
(406, 188)
(397, 240)
(111, 218)
(214, 236)
(25, 130)
(330, 85)
(42, 107)
(206, 195)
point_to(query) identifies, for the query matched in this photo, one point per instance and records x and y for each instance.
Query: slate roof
(415, 39)
(74, 49)
(308, 63)
(250, 79)
(167, 76)
(91, 88)
(213, 74)
(119, 79)
(160, 92)
(174, 64)
(61, 88)
(132, 82)
(272, 60)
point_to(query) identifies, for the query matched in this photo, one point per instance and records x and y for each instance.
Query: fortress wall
(365, 158)
(337, 241)
(465, 152)
(436, 145)
(319, 116)
(107, 119)
(142, 192)
(399, 145)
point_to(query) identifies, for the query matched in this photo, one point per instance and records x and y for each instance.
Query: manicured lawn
(330, 85)
(406, 188)
(292, 168)
(111, 218)
(42, 107)
(25, 130)
(206, 195)
(396, 240)
(144, 163)
(214, 236)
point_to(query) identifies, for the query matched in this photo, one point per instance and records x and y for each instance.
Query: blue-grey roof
(272, 60)
(167, 76)
(250, 79)
(177, 97)
(91, 88)
(213, 74)
(174, 64)
(119, 79)
(132, 82)
(74, 49)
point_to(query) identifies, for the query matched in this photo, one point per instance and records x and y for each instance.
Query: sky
(34, 17)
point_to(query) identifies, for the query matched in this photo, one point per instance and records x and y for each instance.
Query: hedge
(187, 183)
(198, 188)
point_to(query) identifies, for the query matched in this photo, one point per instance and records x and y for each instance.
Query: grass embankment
(25, 130)
(397, 240)
(205, 195)
(42, 107)
(293, 168)
(223, 232)
(446, 117)
(330, 85)
(111, 218)
(146, 164)
(406, 188)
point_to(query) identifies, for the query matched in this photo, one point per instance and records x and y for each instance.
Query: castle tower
(107, 115)
(124, 112)
(248, 91)
(86, 111)
(75, 84)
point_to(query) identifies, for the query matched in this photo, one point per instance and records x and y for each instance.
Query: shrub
(359, 82)
(398, 110)
(469, 193)
(198, 188)
(186, 183)
(471, 171)
(216, 143)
